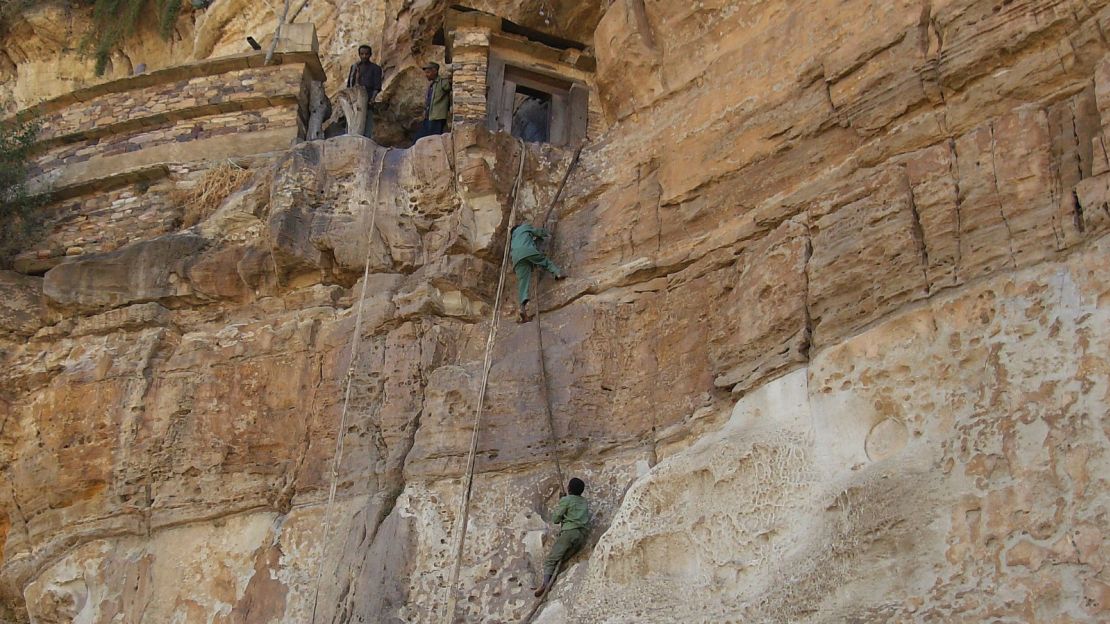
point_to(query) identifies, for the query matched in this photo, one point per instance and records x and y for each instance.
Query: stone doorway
(531, 84)
(535, 107)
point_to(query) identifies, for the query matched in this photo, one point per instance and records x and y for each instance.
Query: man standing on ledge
(367, 75)
(437, 101)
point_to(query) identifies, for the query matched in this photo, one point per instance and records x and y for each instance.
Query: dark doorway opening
(534, 106)
(531, 115)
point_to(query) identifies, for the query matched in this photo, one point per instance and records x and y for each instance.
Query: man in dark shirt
(367, 75)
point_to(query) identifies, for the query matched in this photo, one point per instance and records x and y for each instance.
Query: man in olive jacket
(526, 255)
(437, 101)
(573, 513)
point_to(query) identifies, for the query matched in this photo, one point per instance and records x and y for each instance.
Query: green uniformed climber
(525, 255)
(574, 515)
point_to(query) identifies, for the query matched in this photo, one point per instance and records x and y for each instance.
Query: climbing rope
(539, 601)
(551, 441)
(464, 505)
(340, 434)
(563, 183)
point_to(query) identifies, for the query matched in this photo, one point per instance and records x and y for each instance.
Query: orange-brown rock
(833, 346)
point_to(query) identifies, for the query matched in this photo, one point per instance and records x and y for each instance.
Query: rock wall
(104, 147)
(833, 346)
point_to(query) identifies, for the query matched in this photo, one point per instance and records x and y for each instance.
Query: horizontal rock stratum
(835, 344)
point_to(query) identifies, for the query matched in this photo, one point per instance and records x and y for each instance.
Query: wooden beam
(536, 80)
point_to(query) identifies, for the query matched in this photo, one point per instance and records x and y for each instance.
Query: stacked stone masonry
(468, 82)
(198, 96)
(109, 220)
(833, 346)
(112, 157)
(193, 129)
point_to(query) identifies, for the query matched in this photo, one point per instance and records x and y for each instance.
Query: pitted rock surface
(833, 347)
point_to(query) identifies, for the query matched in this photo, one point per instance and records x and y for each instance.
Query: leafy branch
(115, 20)
(17, 218)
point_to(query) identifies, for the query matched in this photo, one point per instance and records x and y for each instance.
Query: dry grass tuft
(210, 191)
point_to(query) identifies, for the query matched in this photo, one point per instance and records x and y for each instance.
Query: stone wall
(105, 221)
(114, 127)
(175, 95)
(111, 156)
(468, 79)
(832, 348)
(187, 130)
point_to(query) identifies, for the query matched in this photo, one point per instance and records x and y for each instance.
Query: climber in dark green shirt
(525, 255)
(573, 513)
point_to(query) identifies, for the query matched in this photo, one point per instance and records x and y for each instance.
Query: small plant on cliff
(201, 200)
(17, 218)
(115, 20)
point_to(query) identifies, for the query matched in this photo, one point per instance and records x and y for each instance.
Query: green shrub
(115, 20)
(18, 217)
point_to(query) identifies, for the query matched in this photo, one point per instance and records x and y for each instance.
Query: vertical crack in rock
(931, 34)
(658, 224)
(19, 511)
(647, 35)
(917, 231)
(807, 339)
(954, 172)
(998, 198)
(924, 24)
(643, 25)
(841, 118)
(1077, 212)
(1084, 166)
(396, 481)
(138, 407)
(363, 573)
(8, 411)
(148, 597)
(655, 198)
(1076, 205)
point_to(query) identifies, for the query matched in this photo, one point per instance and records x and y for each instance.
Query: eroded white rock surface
(833, 346)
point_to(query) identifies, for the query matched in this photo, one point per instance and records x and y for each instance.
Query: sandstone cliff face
(42, 57)
(834, 345)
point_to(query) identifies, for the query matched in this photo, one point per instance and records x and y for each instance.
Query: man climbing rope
(525, 256)
(573, 513)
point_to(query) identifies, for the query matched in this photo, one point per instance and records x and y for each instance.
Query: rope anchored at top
(340, 435)
(464, 506)
(552, 441)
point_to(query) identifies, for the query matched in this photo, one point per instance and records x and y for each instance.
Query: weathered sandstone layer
(834, 346)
